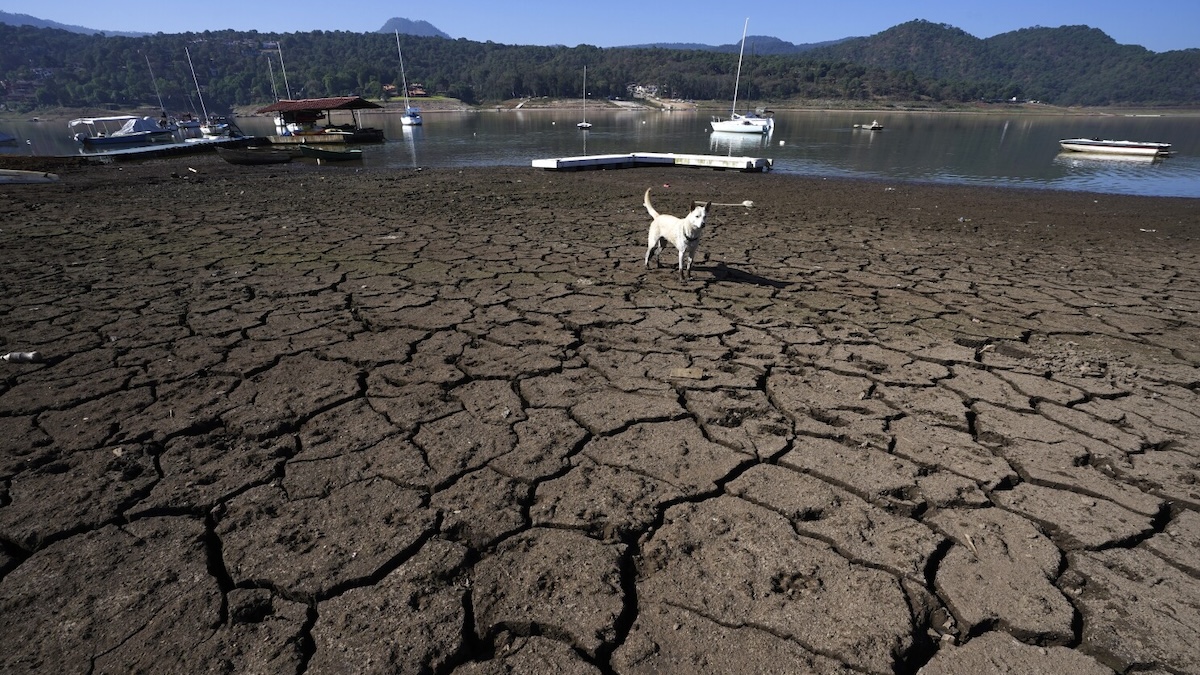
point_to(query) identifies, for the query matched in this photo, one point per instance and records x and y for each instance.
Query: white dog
(683, 233)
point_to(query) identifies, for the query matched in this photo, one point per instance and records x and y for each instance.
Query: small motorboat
(1096, 145)
(873, 126)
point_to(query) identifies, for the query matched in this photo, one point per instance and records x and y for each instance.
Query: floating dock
(637, 159)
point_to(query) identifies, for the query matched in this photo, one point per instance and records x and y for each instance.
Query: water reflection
(733, 144)
(1014, 149)
(410, 135)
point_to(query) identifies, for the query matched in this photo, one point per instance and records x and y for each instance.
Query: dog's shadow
(723, 272)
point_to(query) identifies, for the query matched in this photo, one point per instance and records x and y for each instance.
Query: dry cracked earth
(319, 420)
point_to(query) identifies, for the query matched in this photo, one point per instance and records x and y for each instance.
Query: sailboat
(751, 122)
(411, 116)
(209, 126)
(585, 125)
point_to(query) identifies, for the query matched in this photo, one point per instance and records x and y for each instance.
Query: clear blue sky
(1158, 25)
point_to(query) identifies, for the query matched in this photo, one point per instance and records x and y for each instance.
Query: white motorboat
(1096, 145)
(758, 122)
(411, 116)
(119, 130)
(873, 126)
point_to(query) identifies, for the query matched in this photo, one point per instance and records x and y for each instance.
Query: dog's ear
(707, 205)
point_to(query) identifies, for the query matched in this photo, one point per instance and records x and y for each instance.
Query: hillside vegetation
(916, 61)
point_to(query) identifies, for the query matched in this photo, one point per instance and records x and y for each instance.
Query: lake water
(1019, 150)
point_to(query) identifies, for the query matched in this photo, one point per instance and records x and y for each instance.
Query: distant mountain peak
(410, 27)
(27, 20)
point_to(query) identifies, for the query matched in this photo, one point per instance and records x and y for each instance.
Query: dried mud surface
(331, 419)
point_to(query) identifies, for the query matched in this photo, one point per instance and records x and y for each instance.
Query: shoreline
(452, 105)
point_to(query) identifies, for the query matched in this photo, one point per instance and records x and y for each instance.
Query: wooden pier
(637, 159)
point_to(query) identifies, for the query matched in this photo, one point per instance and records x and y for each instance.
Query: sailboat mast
(403, 79)
(193, 69)
(271, 69)
(737, 80)
(288, 87)
(161, 107)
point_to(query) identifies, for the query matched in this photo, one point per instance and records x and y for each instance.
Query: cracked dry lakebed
(311, 419)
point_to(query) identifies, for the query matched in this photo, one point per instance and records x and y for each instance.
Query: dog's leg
(682, 256)
(653, 248)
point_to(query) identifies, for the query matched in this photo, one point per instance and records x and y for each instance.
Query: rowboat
(1096, 145)
(19, 177)
(253, 156)
(328, 155)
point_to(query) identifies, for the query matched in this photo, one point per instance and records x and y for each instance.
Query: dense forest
(919, 61)
(1069, 65)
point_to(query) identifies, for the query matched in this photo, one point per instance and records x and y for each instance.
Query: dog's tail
(646, 203)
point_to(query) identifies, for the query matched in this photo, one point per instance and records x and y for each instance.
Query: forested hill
(1067, 65)
(918, 61)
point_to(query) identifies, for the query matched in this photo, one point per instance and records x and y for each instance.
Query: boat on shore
(254, 156)
(329, 154)
(119, 130)
(1096, 145)
(757, 122)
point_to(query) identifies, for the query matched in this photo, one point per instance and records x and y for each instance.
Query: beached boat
(297, 122)
(411, 116)
(1096, 145)
(254, 156)
(119, 130)
(330, 155)
(757, 122)
(19, 177)
(585, 125)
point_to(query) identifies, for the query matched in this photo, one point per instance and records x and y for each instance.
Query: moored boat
(757, 122)
(119, 130)
(1096, 145)
(411, 116)
(584, 125)
(254, 156)
(297, 121)
(329, 155)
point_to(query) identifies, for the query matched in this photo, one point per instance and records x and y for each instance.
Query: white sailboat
(751, 122)
(208, 126)
(411, 116)
(585, 125)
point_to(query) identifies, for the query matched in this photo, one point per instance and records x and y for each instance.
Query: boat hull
(328, 155)
(250, 156)
(731, 127)
(1135, 148)
(128, 139)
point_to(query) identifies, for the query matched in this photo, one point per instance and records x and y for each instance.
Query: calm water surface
(1019, 150)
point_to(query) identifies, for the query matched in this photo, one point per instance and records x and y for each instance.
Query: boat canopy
(130, 124)
(320, 104)
(101, 120)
